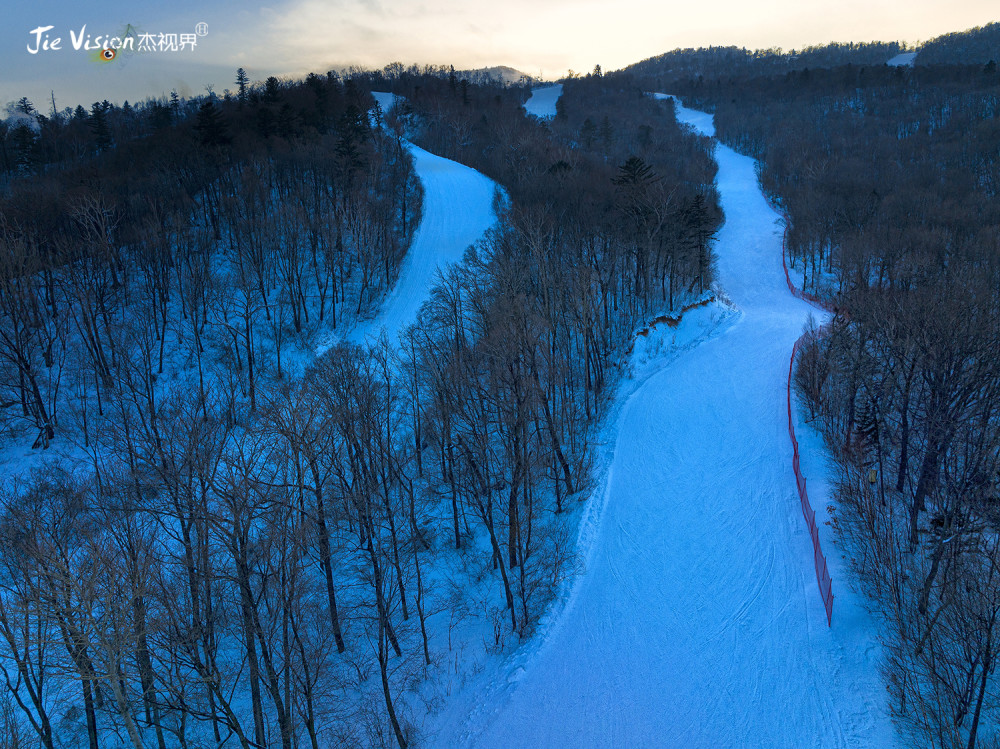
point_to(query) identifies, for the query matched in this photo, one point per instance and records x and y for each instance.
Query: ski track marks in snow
(457, 210)
(697, 622)
(485, 695)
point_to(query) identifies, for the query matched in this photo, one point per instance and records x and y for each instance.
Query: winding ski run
(697, 622)
(457, 210)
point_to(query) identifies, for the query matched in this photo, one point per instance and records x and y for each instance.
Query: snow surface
(17, 119)
(543, 101)
(457, 210)
(904, 59)
(385, 100)
(698, 621)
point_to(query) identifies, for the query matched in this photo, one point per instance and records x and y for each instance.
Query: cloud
(307, 34)
(302, 35)
(293, 37)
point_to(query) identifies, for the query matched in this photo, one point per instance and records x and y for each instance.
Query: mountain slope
(698, 622)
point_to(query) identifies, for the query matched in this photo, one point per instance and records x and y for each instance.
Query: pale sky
(547, 37)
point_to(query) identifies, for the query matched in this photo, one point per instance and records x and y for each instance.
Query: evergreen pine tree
(25, 106)
(99, 126)
(211, 126)
(272, 88)
(159, 115)
(242, 81)
(24, 148)
(607, 132)
(288, 122)
(696, 222)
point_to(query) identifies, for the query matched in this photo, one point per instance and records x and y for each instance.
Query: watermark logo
(108, 46)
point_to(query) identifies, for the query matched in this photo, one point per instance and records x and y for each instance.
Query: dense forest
(219, 537)
(613, 176)
(737, 63)
(888, 180)
(976, 46)
(162, 280)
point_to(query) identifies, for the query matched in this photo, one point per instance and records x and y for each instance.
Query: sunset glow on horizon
(545, 38)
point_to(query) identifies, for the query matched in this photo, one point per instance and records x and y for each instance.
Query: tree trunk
(383, 662)
(246, 610)
(325, 560)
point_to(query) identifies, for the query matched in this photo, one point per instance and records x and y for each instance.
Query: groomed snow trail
(457, 210)
(698, 622)
(903, 60)
(543, 101)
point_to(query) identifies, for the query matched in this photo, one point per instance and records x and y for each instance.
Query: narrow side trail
(698, 622)
(457, 210)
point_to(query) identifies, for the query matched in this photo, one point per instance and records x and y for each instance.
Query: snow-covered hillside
(457, 210)
(697, 622)
(903, 60)
(543, 101)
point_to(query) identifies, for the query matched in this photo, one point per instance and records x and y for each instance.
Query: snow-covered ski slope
(543, 101)
(698, 622)
(903, 60)
(457, 210)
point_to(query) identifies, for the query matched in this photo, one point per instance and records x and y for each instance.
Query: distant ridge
(726, 61)
(497, 72)
(976, 46)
